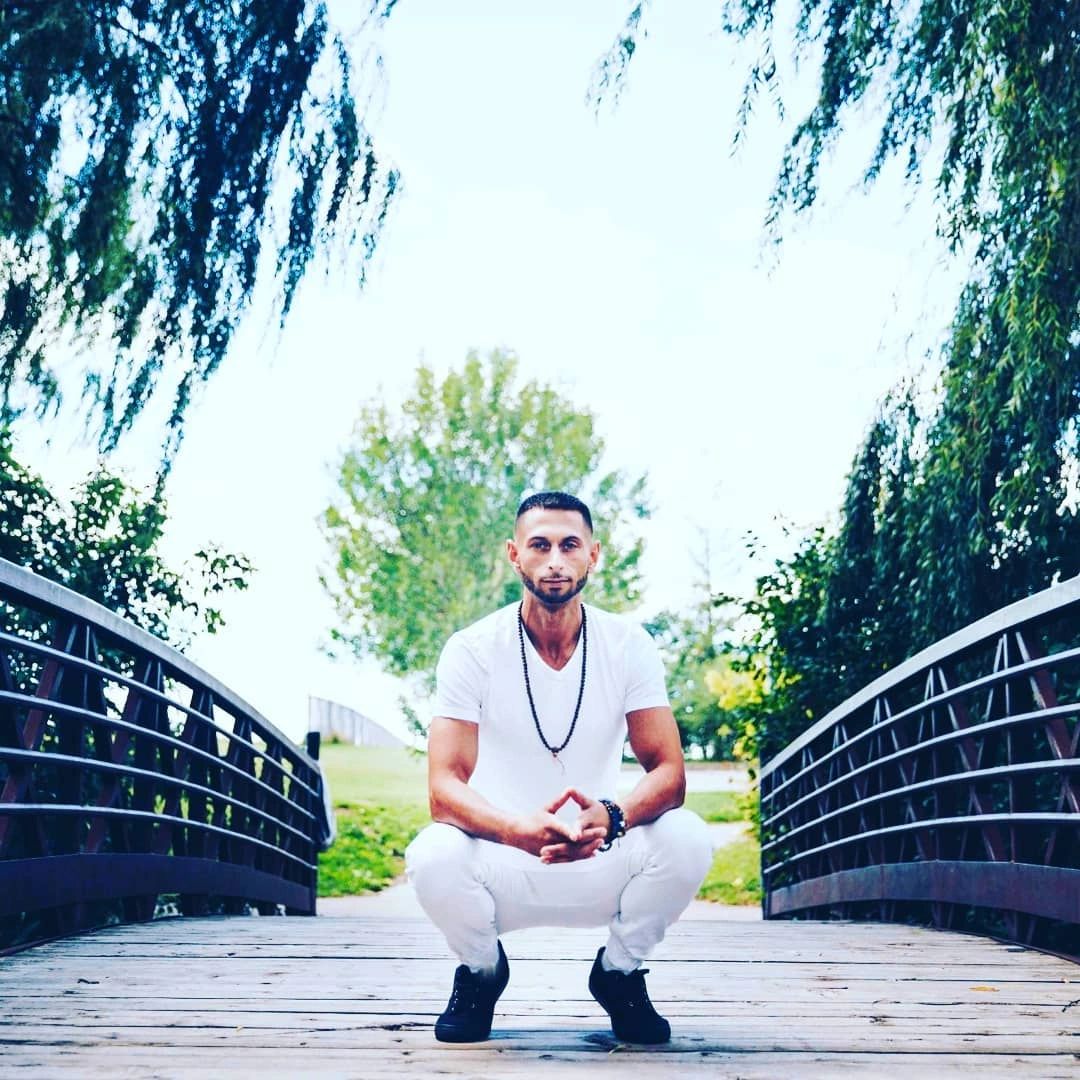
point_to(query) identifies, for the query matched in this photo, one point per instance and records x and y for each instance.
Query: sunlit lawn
(373, 773)
(715, 806)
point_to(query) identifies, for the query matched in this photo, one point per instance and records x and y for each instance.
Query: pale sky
(621, 256)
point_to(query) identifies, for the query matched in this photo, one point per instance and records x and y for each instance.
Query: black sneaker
(625, 999)
(472, 1003)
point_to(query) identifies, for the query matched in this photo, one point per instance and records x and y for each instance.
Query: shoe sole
(453, 1037)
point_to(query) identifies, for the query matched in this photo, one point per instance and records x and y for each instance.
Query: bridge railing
(131, 781)
(947, 791)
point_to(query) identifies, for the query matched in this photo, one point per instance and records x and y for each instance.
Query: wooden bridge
(132, 785)
(357, 997)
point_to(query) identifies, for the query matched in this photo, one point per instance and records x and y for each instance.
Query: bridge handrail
(129, 776)
(1049, 601)
(947, 791)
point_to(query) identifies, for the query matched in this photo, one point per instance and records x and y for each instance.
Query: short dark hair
(555, 500)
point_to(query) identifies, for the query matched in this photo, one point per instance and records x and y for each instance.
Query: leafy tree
(693, 645)
(738, 694)
(428, 496)
(103, 543)
(908, 564)
(145, 146)
(690, 649)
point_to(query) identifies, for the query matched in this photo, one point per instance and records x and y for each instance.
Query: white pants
(638, 888)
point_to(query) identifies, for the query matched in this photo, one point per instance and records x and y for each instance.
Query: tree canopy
(104, 541)
(427, 498)
(154, 154)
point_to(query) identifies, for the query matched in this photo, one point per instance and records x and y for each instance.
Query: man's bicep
(654, 736)
(452, 748)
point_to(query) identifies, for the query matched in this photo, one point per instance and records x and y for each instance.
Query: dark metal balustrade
(132, 782)
(947, 791)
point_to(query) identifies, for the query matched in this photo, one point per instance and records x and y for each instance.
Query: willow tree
(154, 156)
(952, 512)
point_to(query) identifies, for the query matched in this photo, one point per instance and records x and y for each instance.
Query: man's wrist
(617, 824)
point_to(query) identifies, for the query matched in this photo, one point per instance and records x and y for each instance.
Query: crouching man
(533, 705)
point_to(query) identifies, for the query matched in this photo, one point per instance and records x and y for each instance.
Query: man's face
(553, 552)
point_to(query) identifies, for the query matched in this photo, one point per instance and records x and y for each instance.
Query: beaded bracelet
(616, 823)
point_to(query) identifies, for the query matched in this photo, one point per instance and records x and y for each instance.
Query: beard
(553, 599)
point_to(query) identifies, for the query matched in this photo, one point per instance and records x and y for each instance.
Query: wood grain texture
(356, 997)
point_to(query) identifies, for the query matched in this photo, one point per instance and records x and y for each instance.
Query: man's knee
(681, 840)
(437, 854)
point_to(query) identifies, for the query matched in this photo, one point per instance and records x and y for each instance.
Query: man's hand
(591, 828)
(543, 828)
(553, 840)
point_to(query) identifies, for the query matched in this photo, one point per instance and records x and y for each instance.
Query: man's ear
(512, 552)
(594, 554)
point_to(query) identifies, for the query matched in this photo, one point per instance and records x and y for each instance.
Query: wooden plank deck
(356, 997)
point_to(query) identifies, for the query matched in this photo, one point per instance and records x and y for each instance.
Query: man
(533, 705)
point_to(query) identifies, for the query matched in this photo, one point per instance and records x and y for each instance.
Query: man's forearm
(454, 802)
(659, 790)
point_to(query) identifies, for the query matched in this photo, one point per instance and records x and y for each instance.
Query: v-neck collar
(557, 672)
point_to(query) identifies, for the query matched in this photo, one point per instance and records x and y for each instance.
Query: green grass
(735, 877)
(373, 774)
(380, 797)
(716, 805)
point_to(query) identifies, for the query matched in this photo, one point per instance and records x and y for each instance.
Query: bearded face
(553, 553)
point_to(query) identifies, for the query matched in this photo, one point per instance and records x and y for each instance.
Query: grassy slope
(380, 795)
(735, 877)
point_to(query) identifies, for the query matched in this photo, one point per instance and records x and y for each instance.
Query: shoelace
(466, 989)
(637, 996)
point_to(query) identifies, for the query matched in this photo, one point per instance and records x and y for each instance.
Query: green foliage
(369, 851)
(144, 147)
(735, 875)
(428, 497)
(103, 542)
(920, 552)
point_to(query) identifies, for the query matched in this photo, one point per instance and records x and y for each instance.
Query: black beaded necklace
(555, 751)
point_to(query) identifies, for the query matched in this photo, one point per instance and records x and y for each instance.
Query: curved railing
(133, 782)
(947, 791)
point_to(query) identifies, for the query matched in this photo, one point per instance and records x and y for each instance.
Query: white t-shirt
(480, 680)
